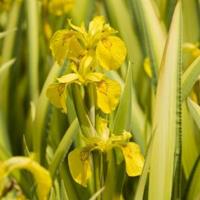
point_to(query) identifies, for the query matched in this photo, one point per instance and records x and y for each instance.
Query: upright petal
(111, 52)
(96, 25)
(64, 44)
(133, 158)
(79, 166)
(108, 94)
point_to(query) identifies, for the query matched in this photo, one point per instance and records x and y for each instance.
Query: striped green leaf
(167, 115)
(195, 111)
(154, 34)
(189, 77)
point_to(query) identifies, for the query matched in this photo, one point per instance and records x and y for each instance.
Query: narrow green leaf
(42, 107)
(154, 34)
(122, 118)
(194, 186)
(83, 118)
(7, 53)
(95, 196)
(162, 4)
(191, 13)
(69, 183)
(6, 66)
(189, 77)
(138, 123)
(82, 11)
(167, 115)
(63, 147)
(5, 33)
(33, 47)
(127, 32)
(189, 155)
(195, 111)
(139, 194)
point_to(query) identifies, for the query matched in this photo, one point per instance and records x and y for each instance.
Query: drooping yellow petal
(60, 7)
(57, 95)
(96, 25)
(111, 52)
(68, 78)
(64, 44)
(41, 175)
(108, 93)
(133, 158)
(79, 165)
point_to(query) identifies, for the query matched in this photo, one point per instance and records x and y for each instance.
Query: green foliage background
(162, 111)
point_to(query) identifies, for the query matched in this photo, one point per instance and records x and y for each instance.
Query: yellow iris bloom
(107, 90)
(79, 158)
(108, 51)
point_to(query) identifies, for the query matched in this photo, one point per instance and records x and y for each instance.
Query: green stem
(91, 101)
(97, 172)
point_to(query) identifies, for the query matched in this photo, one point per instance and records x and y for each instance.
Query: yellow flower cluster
(89, 53)
(79, 158)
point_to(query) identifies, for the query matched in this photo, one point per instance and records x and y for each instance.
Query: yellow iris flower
(107, 90)
(107, 50)
(79, 158)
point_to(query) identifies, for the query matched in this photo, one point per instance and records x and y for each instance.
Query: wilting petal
(41, 175)
(111, 52)
(108, 93)
(57, 95)
(79, 165)
(60, 7)
(133, 158)
(96, 25)
(64, 44)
